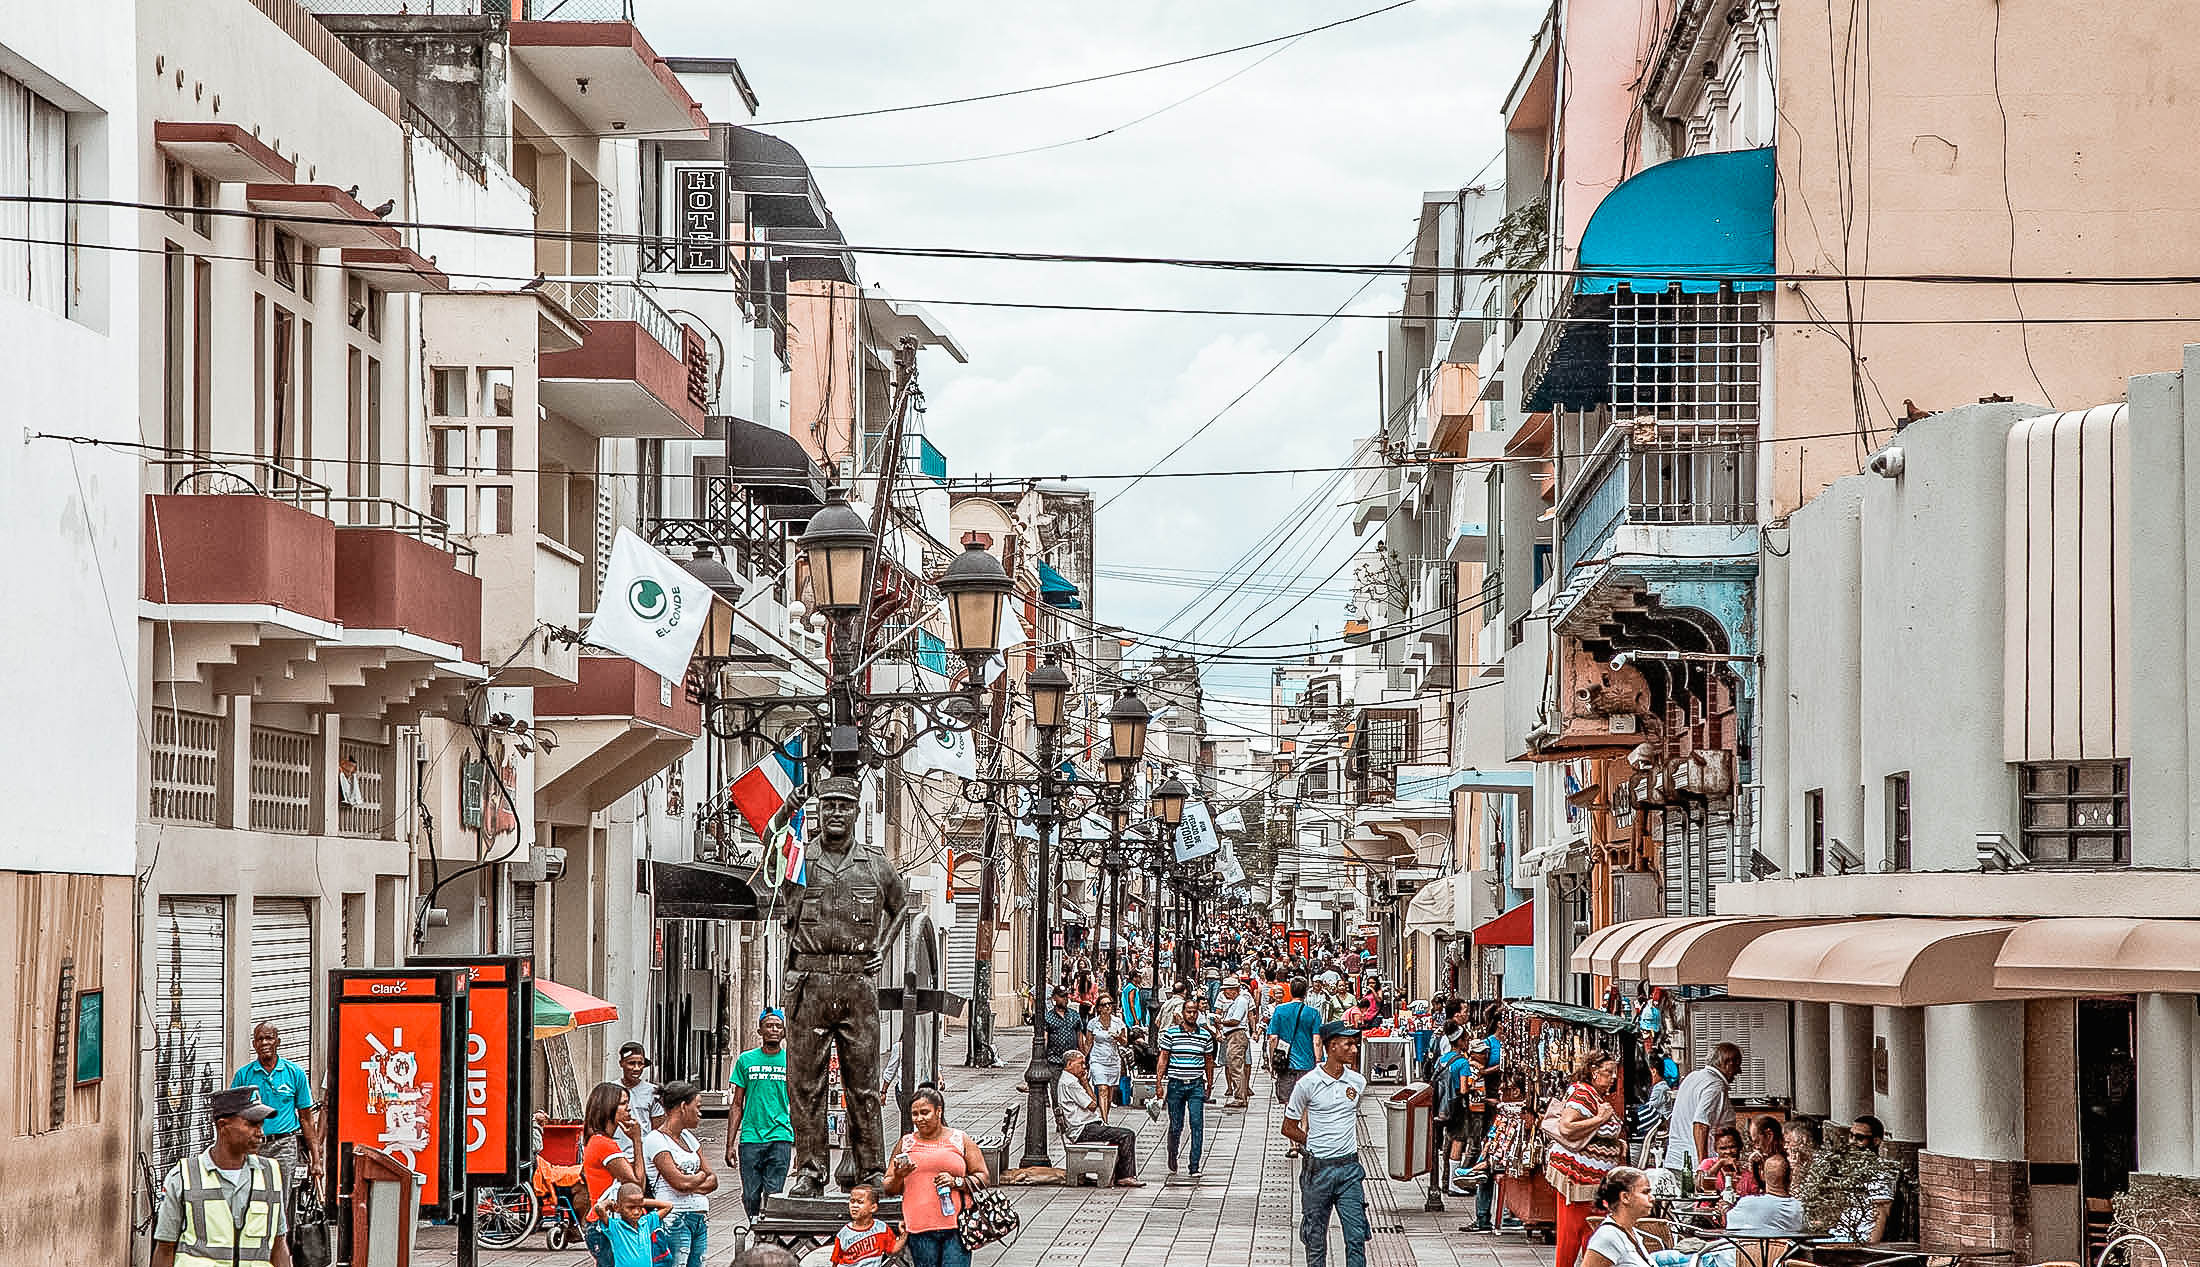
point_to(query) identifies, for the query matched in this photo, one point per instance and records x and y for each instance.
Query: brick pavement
(1242, 1211)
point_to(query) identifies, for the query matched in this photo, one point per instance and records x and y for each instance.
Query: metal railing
(1662, 474)
(471, 164)
(606, 298)
(576, 10)
(361, 806)
(186, 767)
(261, 477)
(742, 530)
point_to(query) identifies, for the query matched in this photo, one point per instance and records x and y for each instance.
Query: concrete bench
(1088, 1163)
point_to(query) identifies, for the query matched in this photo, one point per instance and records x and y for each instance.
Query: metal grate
(1685, 358)
(282, 781)
(361, 807)
(186, 782)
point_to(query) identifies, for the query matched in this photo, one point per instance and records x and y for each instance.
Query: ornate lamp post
(1054, 799)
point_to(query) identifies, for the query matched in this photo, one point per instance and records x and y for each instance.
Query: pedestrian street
(1242, 1211)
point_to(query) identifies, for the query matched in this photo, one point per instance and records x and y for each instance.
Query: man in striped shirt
(1188, 1070)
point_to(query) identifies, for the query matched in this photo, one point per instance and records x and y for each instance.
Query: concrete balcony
(638, 374)
(589, 55)
(529, 582)
(1454, 396)
(616, 727)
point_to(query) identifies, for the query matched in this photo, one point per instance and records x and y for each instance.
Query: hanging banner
(652, 609)
(499, 1093)
(395, 1043)
(1195, 837)
(1233, 871)
(1231, 819)
(947, 751)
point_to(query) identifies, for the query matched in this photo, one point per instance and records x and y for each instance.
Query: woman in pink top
(933, 1170)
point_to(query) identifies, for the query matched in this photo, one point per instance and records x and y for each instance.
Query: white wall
(69, 512)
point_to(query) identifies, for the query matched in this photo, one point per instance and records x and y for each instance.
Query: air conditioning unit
(545, 863)
(1760, 1029)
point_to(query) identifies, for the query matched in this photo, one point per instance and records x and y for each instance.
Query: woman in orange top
(938, 1166)
(607, 1160)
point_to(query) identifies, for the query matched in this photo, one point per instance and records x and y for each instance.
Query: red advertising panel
(1302, 943)
(496, 1103)
(394, 1039)
(1278, 927)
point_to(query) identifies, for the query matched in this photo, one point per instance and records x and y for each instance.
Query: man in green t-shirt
(758, 1116)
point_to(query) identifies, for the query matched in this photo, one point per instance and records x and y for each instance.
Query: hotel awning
(1876, 962)
(771, 466)
(1703, 953)
(1694, 221)
(1431, 908)
(1515, 927)
(2101, 956)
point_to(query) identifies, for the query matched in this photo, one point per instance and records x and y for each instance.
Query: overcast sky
(1320, 152)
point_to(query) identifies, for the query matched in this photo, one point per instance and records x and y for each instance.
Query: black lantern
(1117, 770)
(1168, 801)
(975, 587)
(1049, 686)
(717, 638)
(838, 545)
(1127, 719)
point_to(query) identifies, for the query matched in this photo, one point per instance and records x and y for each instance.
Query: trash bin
(1406, 1118)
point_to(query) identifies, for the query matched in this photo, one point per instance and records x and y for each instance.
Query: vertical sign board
(701, 231)
(396, 1046)
(1301, 942)
(498, 1096)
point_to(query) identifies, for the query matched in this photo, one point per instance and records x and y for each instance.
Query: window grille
(186, 782)
(361, 809)
(2077, 812)
(1685, 358)
(282, 781)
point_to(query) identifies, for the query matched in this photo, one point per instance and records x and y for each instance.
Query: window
(1387, 741)
(285, 255)
(496, 393)
(1814, 823)
(1898, 820)
(173, 362)
(37, 161)
(2076, 812)
(449, 389)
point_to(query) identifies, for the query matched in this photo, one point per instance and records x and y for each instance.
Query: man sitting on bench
(1077, 1112)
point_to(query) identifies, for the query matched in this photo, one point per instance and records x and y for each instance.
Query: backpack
(1449, 1103)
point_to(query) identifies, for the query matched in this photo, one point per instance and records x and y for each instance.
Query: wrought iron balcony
(1659, 474)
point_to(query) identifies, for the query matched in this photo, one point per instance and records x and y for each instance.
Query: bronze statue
(838, 927)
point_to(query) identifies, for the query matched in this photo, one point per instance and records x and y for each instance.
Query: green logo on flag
(647, 598)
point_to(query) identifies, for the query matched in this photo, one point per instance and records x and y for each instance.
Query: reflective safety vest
(211, 1236)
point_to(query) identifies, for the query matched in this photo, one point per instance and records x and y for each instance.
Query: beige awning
(1703, 952)
(2101, 956)
(1599, 954)
(1878, 962)
(1430, 910)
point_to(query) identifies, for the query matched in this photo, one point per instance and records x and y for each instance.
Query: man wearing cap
(282, 1086)
(1233, 1023)
(641, 1094)
(1323, 1121)
(838, 925)
(757, 1116)
(224, 1206)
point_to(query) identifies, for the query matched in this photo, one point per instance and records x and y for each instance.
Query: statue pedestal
(801, 1224)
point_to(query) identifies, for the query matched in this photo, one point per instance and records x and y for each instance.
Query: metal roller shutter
(961, 967)
(190, 1023)
(282, 973)
(523, 919)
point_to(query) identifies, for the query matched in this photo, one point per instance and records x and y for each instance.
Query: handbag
(310, 1241)
(989, 1217)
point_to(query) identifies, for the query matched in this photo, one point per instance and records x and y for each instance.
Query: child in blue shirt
(633, 1227)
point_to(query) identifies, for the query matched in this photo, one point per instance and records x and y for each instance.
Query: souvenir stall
(1540, 1045)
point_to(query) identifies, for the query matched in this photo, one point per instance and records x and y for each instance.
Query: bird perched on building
(388, 205)
(1911, 413)
(536, 284)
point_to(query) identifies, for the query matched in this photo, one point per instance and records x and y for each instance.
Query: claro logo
(387, 987)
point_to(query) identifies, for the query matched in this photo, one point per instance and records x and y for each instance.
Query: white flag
(1233, 871)
(1196, 838)
(652, 610)
(950, 751)
(1230, 820)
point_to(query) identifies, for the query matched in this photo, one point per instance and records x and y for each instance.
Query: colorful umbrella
(560, 1009)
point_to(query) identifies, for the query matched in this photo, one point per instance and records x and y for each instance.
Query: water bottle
(947, 1194)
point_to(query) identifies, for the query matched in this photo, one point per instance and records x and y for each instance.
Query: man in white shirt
(1701, 1107)
(1772, 1212)
(1077, 1114)
(1323, 1121)
(1233, 1022)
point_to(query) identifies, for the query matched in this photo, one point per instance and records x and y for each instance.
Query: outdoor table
(1905, 1253)
(1752, 1247)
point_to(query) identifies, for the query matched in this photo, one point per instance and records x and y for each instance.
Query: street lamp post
(1054, 800)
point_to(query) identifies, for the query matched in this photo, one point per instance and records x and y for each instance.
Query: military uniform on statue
(838, 926)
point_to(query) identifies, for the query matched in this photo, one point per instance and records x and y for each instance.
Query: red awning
(1515, 927)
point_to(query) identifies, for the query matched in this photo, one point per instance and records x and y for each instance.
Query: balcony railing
(742, 529)
(264, 478)
(1660, 474)
(603, 298)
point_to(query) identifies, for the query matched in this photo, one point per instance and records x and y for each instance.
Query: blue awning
(1056, 590)
(1696, 221)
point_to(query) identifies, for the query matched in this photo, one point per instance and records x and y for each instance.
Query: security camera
(1761, 867)
(1620, 660)
(1843, 858)
(553, 861)
(1996, 853)
(1887, 463)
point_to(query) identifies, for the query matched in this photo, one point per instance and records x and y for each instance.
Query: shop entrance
(2108, 1112)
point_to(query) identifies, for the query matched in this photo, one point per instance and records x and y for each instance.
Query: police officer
(838, 925)
(224, 1206)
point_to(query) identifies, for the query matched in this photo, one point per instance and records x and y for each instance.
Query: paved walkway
(1242, 1211)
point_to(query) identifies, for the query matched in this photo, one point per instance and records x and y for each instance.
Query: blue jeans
(763, 1172)
(599, 1245)
(1333, 1188)
(943, 1248)
(1187, 1096)
(687, 1235)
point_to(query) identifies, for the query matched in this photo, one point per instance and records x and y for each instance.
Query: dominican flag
(790, 857)
(763, 792)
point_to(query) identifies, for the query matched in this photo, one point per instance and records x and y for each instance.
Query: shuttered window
(282, 973)
(960, 970)
(190, 1022)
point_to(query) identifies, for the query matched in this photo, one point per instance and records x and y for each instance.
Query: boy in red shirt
(865, 1242)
